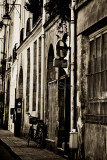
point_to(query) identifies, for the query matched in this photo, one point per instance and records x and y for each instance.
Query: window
(28, 80)
(35, 7)
(28, 26)
(34, 76)
(39, 102)
(97, 77)
(97, 67)
(14, 52)
(21, 35)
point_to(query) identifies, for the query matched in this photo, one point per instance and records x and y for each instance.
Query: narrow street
(5, 154)
(53, 79)
(18, 148)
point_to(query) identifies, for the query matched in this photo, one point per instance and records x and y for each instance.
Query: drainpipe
(4, 70)
(42, 63)
(73, 144)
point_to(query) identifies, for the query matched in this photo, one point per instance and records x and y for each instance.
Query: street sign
(61, 49)
(60, 63)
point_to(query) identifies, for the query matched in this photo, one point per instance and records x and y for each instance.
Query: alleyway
(18, 147)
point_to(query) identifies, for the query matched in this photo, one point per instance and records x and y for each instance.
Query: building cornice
(97, 26)
(36, 30)
(50, 23)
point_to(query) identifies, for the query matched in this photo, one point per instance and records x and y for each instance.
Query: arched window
(51, 68)
(20, 89)
(51, 95)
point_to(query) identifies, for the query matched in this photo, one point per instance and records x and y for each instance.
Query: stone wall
(90, 14)
(92, 137)
(82, 55)
(95, 142)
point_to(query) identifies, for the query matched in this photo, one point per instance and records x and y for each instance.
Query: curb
(10, 150)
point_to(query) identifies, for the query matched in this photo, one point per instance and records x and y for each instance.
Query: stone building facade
(57, 88)
(26, 72)
(91, 17)
(9, 33)
(37, 77)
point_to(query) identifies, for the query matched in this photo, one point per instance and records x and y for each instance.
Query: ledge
(50, 140)
(82, 3)
(61, 149)
(34, 29)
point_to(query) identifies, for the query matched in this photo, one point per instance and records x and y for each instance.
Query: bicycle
(36, 131)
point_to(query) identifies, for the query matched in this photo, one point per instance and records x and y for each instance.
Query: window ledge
(50, 140)
(81, 4)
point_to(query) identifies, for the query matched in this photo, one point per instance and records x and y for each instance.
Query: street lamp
(5, 21)
(6, 18)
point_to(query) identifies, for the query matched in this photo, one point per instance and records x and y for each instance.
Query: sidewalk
(18, 147)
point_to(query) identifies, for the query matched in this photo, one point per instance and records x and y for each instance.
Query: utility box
(73, 142)
(18, 117)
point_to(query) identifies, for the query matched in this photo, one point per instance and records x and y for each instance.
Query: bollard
(73, 145)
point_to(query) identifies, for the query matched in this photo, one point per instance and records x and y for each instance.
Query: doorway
(64, 111)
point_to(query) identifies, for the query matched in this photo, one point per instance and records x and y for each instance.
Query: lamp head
(6, 19)
(1, 24)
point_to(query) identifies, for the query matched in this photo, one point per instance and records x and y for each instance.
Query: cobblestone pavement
(18, 147)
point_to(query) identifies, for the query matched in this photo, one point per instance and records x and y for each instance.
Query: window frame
(96, 106)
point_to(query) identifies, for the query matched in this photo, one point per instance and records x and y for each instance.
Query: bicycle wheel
(40, 138)
(28, 141)
(29, 136)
